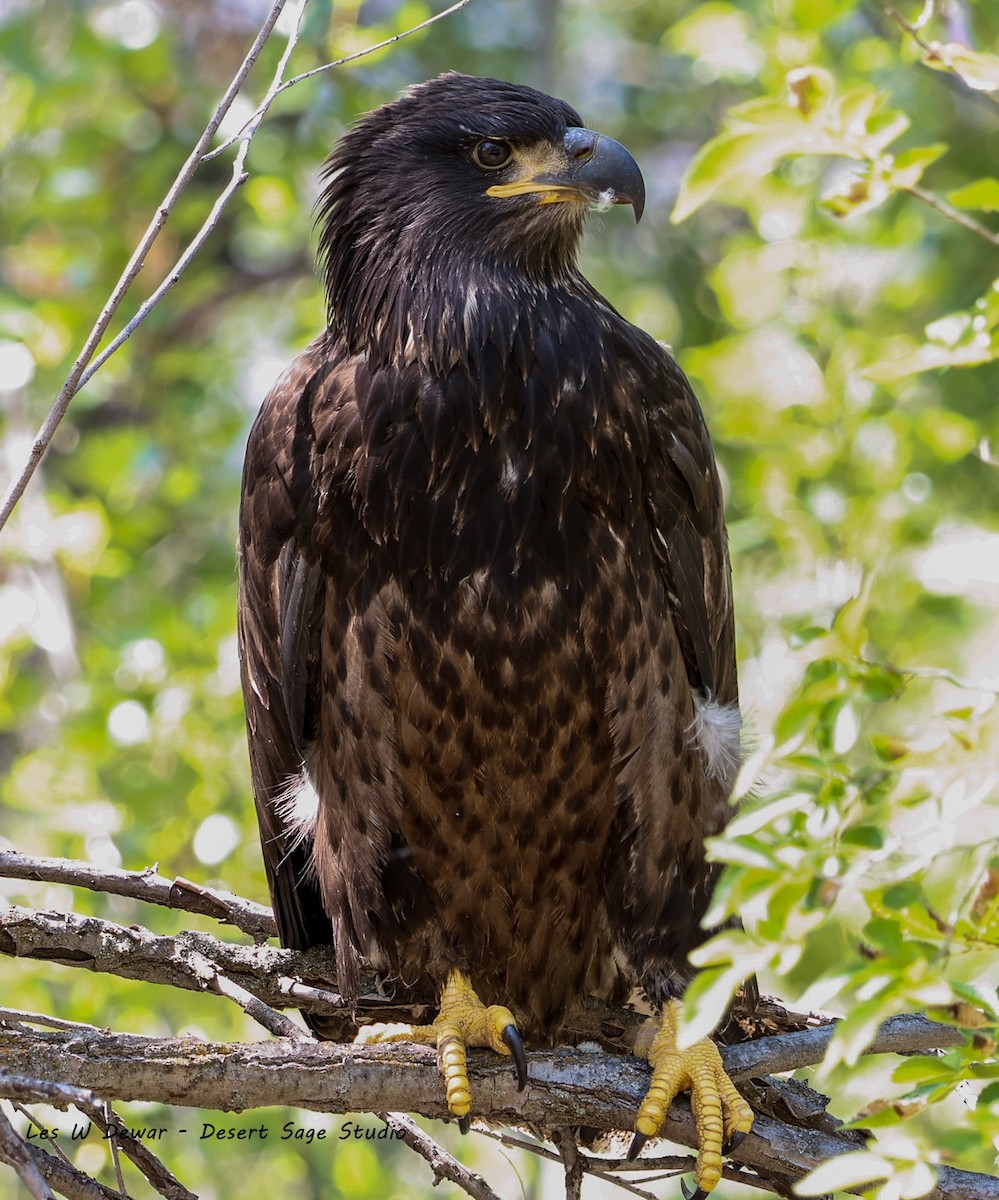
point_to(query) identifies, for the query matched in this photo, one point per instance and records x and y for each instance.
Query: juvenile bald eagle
(485, 606)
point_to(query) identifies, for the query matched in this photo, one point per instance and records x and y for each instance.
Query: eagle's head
(462, 180)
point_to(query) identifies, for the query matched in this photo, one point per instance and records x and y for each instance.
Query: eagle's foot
(463, 1021)
(722, 1115)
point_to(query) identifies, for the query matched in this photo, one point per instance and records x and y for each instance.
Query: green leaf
(983, 195)
(868, 836)
(923, 1069)
(901, 895)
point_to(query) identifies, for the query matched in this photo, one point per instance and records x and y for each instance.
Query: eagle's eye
(492, 155)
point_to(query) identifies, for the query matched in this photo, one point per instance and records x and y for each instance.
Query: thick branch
(565, 1088)
(255, 919)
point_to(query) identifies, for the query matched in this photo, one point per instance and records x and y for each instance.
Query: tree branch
(65, 1178)
(566, 1088)
(136, 953)
(906, 1034)
(133, 267)
(83, 369)
(14, 1151)
(158, 1175)
(148, 885)
(443, 1165)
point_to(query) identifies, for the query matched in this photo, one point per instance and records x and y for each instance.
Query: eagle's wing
(676, 720)
(280, 599)
(685, 506)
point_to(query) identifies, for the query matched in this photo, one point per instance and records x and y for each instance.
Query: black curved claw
(511, 1035)
(734, 1142)
(465, 1123)
(696, 1194)
(637, 1145)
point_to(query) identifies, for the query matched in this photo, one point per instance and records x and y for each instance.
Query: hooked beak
(591, 168)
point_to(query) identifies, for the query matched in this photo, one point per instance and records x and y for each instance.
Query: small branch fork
(86, 365)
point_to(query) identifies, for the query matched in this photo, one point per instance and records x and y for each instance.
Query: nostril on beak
(580, 144)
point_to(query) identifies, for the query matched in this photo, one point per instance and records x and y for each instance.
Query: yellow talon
(463, 1021)
(719, 1111)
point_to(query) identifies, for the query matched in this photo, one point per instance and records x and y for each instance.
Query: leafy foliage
(831, 291)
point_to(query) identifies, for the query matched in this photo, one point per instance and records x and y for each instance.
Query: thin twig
(248, 129)
(572, 1161)
(236, 181)
(952, 213)
(68, 1180)
(30, 1118)
(14, 1152)
(443, 1165)
(147, 885)
(133, 267)
(254, 119)
(930, 49)
(157, 1174)
(14, 1016)
(111, 1129)
(273, 1021)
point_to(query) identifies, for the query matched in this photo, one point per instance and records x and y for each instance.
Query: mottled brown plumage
(485, 607)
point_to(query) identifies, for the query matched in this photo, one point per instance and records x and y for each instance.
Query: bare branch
(158, 1175)
(389, 41)
(148, 885)
(65, 1178)
(83, 368)
(263, 1014)
(443, 1165)
(28, 1090)
(566, 1088)
(133, 267)
(906, 1034)
(136, 953)
(572, 1161)
(15, 1153)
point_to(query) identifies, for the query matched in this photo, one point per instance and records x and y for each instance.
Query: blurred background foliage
(837, 310)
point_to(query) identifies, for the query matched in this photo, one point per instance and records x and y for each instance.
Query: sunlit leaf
(846, 1171)
(978, 70)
